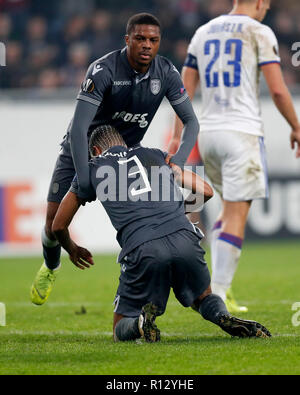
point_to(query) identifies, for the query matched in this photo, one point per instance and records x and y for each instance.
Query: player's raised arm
(283, 100)
(81, 257)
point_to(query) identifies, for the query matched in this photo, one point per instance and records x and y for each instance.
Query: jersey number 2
(212, 79)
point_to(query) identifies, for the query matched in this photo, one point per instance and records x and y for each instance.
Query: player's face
(142, 45)
(264, 6)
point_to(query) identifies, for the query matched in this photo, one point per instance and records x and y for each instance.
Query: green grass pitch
(57, 339)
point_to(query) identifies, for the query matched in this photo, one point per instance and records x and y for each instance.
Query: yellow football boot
(42, 285)
(232, 305)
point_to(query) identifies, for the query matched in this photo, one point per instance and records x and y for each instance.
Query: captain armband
(191, 61)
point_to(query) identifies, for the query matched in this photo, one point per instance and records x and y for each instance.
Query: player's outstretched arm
(191, 80)
(81, 257)
(188, 117)
(283, 100)
(193, 182)
(84, 114)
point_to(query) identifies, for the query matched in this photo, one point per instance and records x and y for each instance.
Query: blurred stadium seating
(50, 44)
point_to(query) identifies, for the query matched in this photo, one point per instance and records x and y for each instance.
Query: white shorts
(236, 164)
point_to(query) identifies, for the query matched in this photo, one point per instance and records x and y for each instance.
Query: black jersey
(128, 100)
(139, 193)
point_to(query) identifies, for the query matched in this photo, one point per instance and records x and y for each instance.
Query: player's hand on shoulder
(175, 168)
(168, 159)
(177, 171)
(81, 257)
(295, 140)
(173, 146)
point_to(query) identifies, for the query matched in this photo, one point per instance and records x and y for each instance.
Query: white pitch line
(58, 333)
(171, 303)
(267, 302)
(99, 333)
(56, 304)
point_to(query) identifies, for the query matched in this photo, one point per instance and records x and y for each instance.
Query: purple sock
(234, 240)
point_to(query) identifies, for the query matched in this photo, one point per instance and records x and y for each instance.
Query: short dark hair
(142, 19)
(105, 137)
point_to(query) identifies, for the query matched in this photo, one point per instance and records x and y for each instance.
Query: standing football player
(227, 56)
(125, 89)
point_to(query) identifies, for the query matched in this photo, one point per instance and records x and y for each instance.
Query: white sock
(215, 233)
(219, 289)
(54, 270)
(228, 252)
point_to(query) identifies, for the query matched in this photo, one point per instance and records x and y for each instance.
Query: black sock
(51, 251)
(212, 307)
(52, 256)
(127, 329)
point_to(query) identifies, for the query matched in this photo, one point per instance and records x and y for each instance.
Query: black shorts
(63, 175)
(152, 269)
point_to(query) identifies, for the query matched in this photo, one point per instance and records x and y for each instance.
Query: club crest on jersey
(88, 86)
(155, 86)
(97, 68)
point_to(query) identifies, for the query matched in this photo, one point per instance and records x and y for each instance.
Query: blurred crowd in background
(50, 44)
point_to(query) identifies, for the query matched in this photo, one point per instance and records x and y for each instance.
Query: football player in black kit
(124, 89)
(160, 247)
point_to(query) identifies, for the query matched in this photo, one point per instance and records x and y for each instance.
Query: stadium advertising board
(279, 217)
(25, 177)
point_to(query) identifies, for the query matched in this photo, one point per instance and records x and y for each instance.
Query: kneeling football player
(160, 247)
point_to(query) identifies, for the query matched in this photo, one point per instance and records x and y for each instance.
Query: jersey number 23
(231, 79)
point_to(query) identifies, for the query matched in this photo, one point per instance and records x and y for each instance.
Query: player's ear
(259, 4)
(127, 39)
(97, 151)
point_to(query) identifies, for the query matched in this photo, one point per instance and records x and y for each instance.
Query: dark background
(51, 43)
